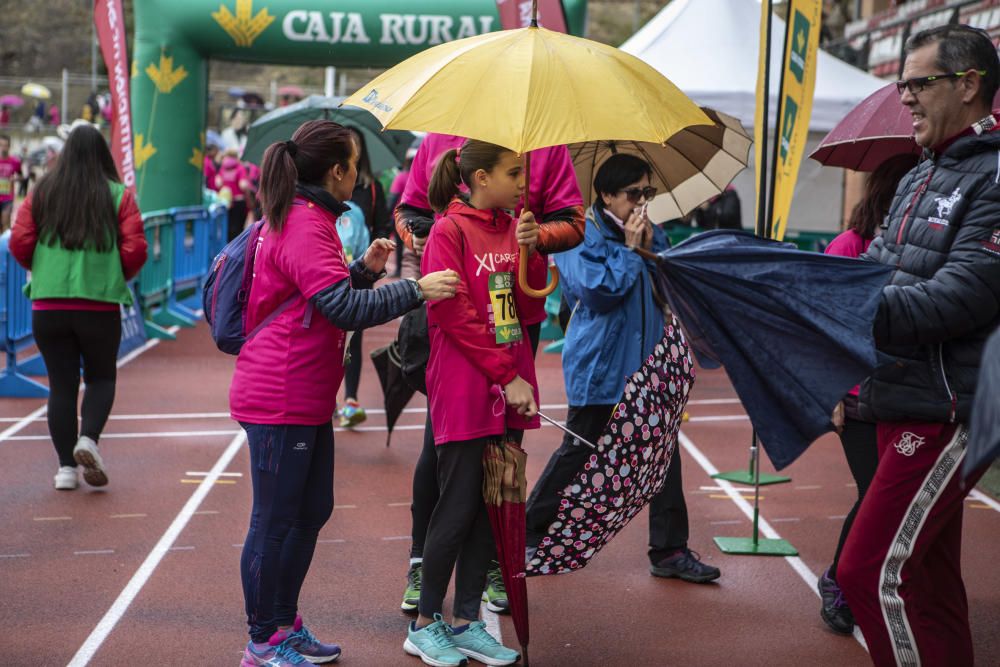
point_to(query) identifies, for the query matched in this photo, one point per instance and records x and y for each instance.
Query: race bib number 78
(508, 327)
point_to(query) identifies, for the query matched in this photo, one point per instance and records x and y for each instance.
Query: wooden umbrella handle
(522, 262)
(522, 277)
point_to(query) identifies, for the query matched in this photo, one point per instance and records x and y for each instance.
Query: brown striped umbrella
(694, 165)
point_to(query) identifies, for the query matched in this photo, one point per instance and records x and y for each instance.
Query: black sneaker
(834, 610)
(685, 565)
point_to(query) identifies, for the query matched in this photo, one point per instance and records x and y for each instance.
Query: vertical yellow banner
(799, 78)
(759, 122)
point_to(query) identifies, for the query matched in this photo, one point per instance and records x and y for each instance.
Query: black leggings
(425, 480)
(459, 537)
(352, 374)
(861, 449)
(237, 218)
(64, 337)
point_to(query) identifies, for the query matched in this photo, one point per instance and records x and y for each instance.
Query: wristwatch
(416, 289)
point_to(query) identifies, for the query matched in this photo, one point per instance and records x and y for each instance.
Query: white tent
(709, 49)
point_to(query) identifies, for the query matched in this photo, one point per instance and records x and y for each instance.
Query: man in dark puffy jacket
(900, 568)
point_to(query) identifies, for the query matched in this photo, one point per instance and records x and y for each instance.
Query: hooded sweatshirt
(553, 187)
(477, 343)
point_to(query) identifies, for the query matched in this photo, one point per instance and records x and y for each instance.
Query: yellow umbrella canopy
(526, 89)
(529, 88)
(36, 90)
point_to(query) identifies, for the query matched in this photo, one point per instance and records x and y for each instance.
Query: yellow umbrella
(526, 89)
(36, 90)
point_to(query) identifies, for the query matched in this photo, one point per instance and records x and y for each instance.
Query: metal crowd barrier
(15, 313)
(182, 243)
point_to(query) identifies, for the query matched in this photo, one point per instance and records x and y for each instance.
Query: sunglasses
(917, 84)
(633, 194)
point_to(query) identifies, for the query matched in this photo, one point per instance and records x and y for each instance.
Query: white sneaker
(85, 453)
(66, 479)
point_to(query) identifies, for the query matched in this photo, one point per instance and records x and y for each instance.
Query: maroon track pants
(901, 565)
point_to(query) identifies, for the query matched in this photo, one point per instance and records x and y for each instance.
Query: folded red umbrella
(505, 490)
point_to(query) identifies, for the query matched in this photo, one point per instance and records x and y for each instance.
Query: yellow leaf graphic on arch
(143, 151)
(244, 27)
(197, 159)
(165, 76)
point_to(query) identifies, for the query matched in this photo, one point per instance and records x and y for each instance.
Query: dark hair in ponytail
(313, 150)
(450, 173)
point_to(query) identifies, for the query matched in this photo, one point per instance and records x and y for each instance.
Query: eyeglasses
(917, 84)
(634, 194)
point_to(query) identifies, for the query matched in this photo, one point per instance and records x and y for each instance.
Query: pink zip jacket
(289, 373)
(553, 187)
(468, 366)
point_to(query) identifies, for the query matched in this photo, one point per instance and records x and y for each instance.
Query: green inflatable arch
(175, 37)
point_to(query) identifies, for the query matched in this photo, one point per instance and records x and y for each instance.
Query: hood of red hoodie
(490, 218)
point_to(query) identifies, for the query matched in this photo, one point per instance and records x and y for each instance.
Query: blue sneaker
(275, 653)
(352, 414)
(305, 644)
(475, 642)
(433, 644)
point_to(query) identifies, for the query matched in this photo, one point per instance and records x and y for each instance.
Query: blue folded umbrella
(984, 430)
(793, 329)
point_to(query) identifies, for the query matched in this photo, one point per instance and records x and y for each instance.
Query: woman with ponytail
(480, 386)
(287, 376)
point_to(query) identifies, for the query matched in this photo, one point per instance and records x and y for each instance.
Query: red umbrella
(505, 491)
(874, 131)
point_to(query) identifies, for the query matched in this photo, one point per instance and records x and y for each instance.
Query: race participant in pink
(10, 174)
(558, 206)
(287, 375)
(233, 176)
(480, 385)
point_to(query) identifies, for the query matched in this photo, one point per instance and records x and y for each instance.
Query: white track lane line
(765, 528)
(985, 499)
(492, 622)
(145, 571)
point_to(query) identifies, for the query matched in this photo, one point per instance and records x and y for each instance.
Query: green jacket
(58, 273)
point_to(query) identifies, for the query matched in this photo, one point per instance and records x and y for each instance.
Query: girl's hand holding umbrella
(527, 231)
(521, 397)
(439, 285)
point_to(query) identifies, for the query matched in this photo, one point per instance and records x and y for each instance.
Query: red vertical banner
(110, 23)
(517, 14)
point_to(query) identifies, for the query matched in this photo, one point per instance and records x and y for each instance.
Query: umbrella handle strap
(522, 277)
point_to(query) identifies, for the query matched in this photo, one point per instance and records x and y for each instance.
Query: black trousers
(668, 518)
(459, 537)
(237, 217)
(860, 444)
(64, 337)
(425, 481)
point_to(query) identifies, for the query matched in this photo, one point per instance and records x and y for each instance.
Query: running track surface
(147, 572)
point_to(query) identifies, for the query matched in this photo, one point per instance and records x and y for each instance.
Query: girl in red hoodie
(480, 383)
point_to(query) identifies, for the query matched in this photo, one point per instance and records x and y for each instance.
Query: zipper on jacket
(913, 203)
(944, 377)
